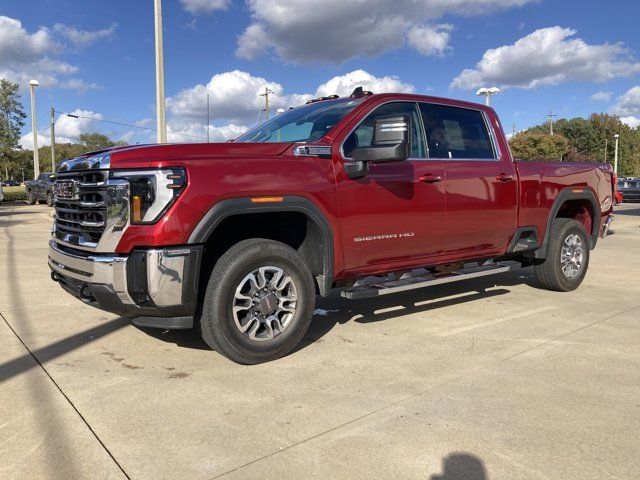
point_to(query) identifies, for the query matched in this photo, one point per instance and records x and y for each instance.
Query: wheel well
(580, 210)
(295, 229)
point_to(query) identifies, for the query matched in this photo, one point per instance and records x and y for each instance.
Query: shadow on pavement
(631, 212)
(182, 338)
(52, 427)
(461, 466)
(335, 310)
(44, 354)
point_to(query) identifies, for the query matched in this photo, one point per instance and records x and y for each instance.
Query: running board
(417, 279)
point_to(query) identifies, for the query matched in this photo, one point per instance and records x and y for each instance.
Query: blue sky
(96, 58)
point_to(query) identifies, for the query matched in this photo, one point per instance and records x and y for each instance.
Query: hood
(146, 155)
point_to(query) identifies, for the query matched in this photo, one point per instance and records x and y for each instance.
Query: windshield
(308, 123)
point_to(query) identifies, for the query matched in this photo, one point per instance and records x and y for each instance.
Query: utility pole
(606, 145)
(34, 128)
(551, 115)
(53, 140)
(208, 118)
(266, 94)
(513, 130)
(161, 116)
(615, 157)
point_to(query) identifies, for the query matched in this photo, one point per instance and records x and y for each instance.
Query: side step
(422, 278)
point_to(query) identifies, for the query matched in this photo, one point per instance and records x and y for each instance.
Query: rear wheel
(259, 302)
(567, 259)
(31, 198)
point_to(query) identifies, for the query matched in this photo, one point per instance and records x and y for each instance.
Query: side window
(42, 177)
(456, 133)
(363, 134)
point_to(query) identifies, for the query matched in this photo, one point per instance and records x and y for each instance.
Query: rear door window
(456, 133)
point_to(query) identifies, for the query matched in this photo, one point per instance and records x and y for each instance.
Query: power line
(73, 115)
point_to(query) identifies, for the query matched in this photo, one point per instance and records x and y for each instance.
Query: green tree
(92, 142)
(539, 146)
(11, 122)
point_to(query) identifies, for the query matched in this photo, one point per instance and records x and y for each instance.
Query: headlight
(152, 191)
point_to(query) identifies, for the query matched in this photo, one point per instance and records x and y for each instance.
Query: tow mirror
(390, 142)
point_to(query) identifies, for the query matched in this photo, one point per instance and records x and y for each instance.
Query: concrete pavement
(487, 379)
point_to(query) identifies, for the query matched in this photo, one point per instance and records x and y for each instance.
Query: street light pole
(161, 115)
(34, 128)
(615, 157)
(53, 140)
(487, 92)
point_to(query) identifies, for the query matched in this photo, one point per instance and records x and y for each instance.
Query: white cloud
(628, 104)
(25, 55)
(236, 104)
(547, 57)
(601, 96)
(339, 30)
(631, 120)
(204, 6)
(234, 96)
(344, 85)
(430, 40)
(83, 38)
(68, 129)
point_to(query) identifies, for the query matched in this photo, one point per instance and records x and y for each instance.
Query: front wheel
(50, 199)
(258, 303)
(567, 259)
(31, 198)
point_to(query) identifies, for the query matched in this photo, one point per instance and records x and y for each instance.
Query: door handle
(503, 177)
(430, 178)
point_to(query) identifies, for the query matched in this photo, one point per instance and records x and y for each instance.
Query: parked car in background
(1, 193)
(11, 183)
(41, 189)
(630, 189)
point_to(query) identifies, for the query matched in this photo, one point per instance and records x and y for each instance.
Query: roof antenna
(360, 92)
(357, 92)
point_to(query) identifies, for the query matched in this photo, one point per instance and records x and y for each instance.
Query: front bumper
(159, 283)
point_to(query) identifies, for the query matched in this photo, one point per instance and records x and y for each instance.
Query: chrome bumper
(101, 269)
(155, 282)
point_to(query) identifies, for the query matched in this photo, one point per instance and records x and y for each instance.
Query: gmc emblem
(66, 190)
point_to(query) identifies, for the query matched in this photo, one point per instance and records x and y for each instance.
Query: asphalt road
(487, 379)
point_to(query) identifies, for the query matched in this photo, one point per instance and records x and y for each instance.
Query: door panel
(481, 188)
(395, 214)
(390, 215)
(481, 210)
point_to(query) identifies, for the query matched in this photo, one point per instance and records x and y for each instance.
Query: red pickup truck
(371, 194)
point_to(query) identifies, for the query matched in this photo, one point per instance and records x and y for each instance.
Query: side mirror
(391, 138)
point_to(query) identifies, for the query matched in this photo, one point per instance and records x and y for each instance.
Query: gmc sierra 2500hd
(372, 194)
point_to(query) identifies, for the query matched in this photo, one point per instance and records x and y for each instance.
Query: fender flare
(570, 193)
(243, 205)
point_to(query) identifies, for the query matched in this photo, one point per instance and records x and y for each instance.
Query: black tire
(550, 272)
(217, 324)
(50, 199)
(31, 198)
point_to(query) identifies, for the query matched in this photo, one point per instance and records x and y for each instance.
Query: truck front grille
(81, 206)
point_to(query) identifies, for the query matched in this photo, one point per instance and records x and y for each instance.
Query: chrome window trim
(497, 152)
